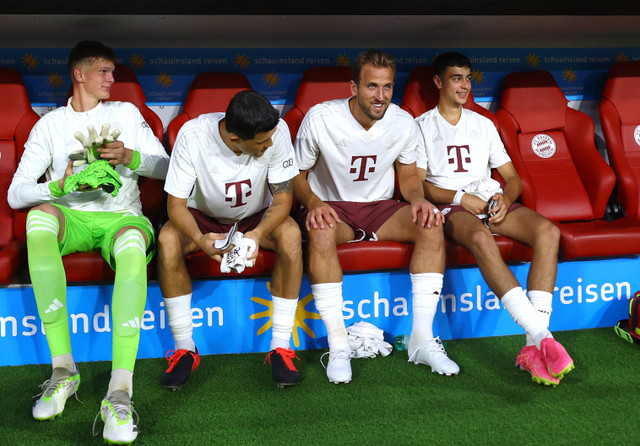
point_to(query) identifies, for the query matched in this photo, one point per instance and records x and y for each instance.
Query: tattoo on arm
(276, 188)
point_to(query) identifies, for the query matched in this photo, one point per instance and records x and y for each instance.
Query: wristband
(55, 190)
(457, 198)
(136, 160)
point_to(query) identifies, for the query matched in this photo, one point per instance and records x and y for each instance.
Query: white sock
(521, 310)
(328, 299)
(180, 321)
(541, 301)
(121, 379)
(426, 296)
(282, 321)
(65, 361)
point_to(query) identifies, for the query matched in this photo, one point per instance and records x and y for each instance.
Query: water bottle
(402, 343)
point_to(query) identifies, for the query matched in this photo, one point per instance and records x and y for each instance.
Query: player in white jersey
(236, 167)
(86, 217)
(460, 147)
(346, 151)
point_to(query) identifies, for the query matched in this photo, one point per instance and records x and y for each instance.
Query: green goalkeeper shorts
(92, 231)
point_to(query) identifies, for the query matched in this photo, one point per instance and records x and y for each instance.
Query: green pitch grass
(231, 399)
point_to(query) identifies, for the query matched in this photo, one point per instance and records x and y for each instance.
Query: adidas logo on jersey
(55, 306)
(133, 323)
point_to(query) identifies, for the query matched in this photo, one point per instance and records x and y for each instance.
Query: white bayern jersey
(345, 162)
(218, 182)
(52, 140)
(456, 155)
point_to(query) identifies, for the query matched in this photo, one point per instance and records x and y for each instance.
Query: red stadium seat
(16, 120)
(620, 120)
(420, 96)
(90, 266)
(318, 84)
(212, 92)
(209, 92)
(563, 176)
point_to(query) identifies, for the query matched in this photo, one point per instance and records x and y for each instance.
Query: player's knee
(549, 234)
(322, 239)
(481, 238)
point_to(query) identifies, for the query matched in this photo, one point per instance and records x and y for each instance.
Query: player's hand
(426, 214)
(206, 243)
(256, 238)
(68, 171)
(320, 216)
(116, 153)
(499, 212)
(473, 204)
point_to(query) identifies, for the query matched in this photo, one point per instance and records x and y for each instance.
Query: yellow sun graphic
(241, 61)
(301, 315)
(271, 78)
(621, 57)
(165, 80)
(55, 80)
(137, 62)
(533, 60)
(477, 76)
(30, 61)
(343, 60)
(569, 75)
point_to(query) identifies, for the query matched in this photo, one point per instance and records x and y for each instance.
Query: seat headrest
(623, 90)
(126, 87)
(534, 100)
(420, 94)
(319, 84)
(14, 102)
(212, 92)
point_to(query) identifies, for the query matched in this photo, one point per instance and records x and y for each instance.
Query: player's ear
(354, 88)
(437, 81)
(234, 138)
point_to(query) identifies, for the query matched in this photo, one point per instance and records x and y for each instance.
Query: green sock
(48, 279)
(129, 297)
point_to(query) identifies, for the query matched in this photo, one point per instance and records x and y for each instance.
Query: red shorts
(210, 224)
(364, 218)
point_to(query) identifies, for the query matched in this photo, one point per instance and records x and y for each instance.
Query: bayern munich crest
(543, 145)
(636, 135)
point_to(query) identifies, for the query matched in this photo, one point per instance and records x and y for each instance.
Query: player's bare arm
(184, 222)
(320, 214)
(275, 214)
(512, 189)
(423, 212)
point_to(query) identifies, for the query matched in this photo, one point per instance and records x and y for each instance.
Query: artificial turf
(231, 399)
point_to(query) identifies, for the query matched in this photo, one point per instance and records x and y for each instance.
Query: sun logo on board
(477, 76)
(301, 316)
(343, 60)
(137, 62)
(55, 81)
(30, 61)
(241, 61)
(569, 75)
(271, 79)
(621, 57)
(533, 60)
(164, 80)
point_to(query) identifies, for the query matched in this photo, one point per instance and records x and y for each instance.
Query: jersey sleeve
(306, 147)
(497, 152)
(25, 191)
(409, 153)
(282, 165)
(154, 160)
(181, 174)
(421, 147)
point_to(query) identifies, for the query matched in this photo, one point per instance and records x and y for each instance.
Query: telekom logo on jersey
(361, 163)
(239, 191)
(459, 157)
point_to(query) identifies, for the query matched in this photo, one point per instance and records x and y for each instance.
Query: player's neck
(224, 134)
(365, 121)
(451, 113)
(81, 102)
